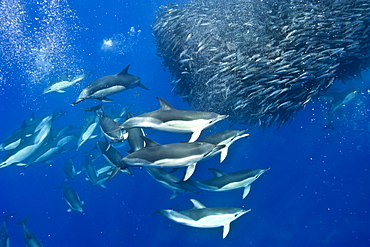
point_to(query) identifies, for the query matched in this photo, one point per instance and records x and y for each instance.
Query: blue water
(317, 192)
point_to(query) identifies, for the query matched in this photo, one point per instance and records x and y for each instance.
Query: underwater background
(316, 192)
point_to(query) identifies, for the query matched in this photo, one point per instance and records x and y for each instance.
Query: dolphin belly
(107, 91)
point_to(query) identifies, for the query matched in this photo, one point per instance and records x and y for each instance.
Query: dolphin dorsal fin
(164, 104)
(197, 204)
(124, 71)
(150, 142)
(216, 172)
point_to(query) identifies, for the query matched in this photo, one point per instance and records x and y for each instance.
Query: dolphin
(108, 85)
(91, 173)
(170, 181)
(69, 169)
(108, 125)
(113, 157)
(338, 101)
(72, 198)
(184, 154)
(4, 236)
(53, 145)
(231, 181)
(28, 146)
(29, 238)
(87, 129)
(203, 217)
(63, 82)
(26, 130)
(134, 138)
(167, 118)
(226, 138)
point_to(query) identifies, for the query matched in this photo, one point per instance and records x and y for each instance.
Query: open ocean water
(316, 193)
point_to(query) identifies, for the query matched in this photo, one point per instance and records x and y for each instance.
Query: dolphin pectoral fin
(69, 210)
(226, 230)
(143, 87)
(223, 154)
(195, 136)
(61, 91)
(21, 164)
(173, 195)
(246, 191)
(104, 99)
(189, 171)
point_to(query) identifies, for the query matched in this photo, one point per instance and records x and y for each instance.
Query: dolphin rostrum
(231, 181)
(168, 118)
(202, 217)
(108, 85)
(184, 154)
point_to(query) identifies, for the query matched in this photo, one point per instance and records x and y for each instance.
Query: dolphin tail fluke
(22, 222)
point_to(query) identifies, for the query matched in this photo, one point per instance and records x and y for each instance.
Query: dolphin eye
(235, 215)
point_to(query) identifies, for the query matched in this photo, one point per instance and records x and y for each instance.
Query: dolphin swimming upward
(203, 217)
(108, 85)
(167, 118)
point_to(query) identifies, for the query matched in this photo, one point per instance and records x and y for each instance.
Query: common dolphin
(63, 82)
(108, 125)
(108, 85)
(91, 173)
(29, 237)
(231, 181)
(87, 129)
(170, 181)
(226, 138)
(167, 118)
(27, 129)
(339, 100)
(113, 157)
(184, 154)
(72, 198)
(53, 145)
(4, 236)
(69, 169)
(202, 217)
(134, 138)
(28, 145)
